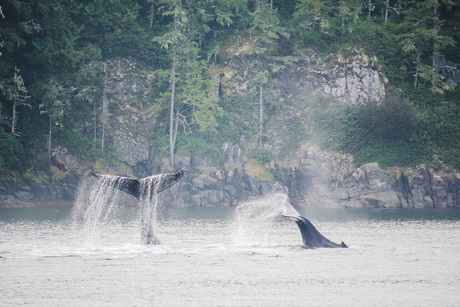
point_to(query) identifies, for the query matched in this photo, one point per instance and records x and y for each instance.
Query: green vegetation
(53, 76)
(387, 133)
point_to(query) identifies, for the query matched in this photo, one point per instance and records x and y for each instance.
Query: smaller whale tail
(311, 237)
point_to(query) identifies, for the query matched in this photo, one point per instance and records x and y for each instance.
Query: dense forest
(54, 55)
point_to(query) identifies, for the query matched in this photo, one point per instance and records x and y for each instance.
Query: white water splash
(98, 202)
(253, 221)
(94, 205)
(149, 203)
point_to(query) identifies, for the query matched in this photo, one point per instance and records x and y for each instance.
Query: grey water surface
(231, 257)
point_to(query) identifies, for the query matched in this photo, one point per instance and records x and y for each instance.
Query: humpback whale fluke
(133, 187)
(144, 190)
(311, 237)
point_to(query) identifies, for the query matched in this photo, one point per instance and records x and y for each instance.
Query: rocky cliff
(318, 179)
(30, 193)
(308, 175)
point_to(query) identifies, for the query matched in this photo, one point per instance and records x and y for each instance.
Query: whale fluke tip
(90, 172)
(292, 217)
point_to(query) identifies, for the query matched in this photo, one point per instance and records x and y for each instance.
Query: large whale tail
(144, 190)
(154, 184)
(311, 237)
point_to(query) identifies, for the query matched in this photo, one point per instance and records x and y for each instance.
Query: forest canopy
(54, 55)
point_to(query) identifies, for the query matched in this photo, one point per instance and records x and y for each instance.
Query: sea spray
(95, 205)
(149, 204)
(254, 220)
(99, 199)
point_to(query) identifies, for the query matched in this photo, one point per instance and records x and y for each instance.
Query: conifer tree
(55, 104)
(421, 33)
(18, 95)
(266, 30)
(175, 40)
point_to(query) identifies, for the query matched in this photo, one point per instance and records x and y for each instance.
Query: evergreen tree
(197, 98)
(17, 93)
(57, 50)
(15, 25)
(311, 15)
(88, 86)
(175, 40)
(55, 104)
(422, 33)
(266, 30)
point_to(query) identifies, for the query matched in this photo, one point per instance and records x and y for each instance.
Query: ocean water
(246, 256)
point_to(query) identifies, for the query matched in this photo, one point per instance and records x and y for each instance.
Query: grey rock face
(131, 122)
(31, 194)
(357, 84)
(322, 179)
(352, 79)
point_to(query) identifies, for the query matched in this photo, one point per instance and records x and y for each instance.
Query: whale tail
(143, 190)
(311, 237)
(133, 187)
(124, 184)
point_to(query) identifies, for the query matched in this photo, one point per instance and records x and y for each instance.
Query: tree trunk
(105, 108)
(175, 130)
(417, 70)
(369, 4)
(152, 13)
(49, 143)
(19, 97)
(172, 138)
(261, 114)
(15, 99)
(387, 6)
(435, 47)
(94, 120)
(13, 124)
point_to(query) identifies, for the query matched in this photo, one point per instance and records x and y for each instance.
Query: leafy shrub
(238, 120)
(384, 133)
(14, 156)
(206, 144)
(84, 147)
(11, 151)
(260, 155)
(392, 119)
(378, 41)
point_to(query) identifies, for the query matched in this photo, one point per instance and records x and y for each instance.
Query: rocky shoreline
(317, 179)
(29, 194)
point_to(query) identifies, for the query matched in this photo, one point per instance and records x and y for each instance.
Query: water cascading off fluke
(98, 196)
